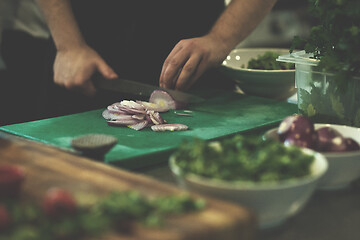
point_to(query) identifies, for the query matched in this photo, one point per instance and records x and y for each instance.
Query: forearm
(61, 21)
(238, 20)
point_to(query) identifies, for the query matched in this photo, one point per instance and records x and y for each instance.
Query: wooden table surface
(46, 167)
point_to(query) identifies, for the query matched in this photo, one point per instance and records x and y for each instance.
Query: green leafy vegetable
(243, 158)
(267, 61)
(336, 40)
(116, 212)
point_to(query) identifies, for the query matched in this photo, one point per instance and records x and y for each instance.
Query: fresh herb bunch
(267, 61)
(336, 40)
(116, 212)
(243, 158)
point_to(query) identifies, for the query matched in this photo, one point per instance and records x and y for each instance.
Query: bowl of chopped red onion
(339, 144)
(256, 72)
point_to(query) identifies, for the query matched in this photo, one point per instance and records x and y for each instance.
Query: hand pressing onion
(139, 114)
(300, 131)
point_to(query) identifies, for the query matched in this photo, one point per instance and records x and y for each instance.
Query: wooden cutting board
(218, 116)
(48, 167)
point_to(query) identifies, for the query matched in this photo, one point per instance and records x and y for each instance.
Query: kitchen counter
(329, 215)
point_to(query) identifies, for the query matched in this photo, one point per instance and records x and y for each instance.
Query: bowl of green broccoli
(256, 72)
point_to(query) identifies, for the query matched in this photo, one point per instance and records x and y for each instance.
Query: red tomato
(11, 179)
(58, 202)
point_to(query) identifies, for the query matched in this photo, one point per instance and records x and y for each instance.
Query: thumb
(106, 70)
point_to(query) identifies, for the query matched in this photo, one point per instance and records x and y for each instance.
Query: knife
(142, 89)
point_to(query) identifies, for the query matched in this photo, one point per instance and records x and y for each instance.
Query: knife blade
(141, 89)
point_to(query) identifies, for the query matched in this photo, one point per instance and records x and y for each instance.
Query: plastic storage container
(318, 94)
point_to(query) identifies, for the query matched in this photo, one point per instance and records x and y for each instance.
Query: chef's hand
(189, 59)
(73, 69)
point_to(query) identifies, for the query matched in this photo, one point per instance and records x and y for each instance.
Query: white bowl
(272, 202)
(344, 167)
(275, 84)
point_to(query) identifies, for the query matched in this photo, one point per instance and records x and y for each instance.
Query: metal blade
(141, 89)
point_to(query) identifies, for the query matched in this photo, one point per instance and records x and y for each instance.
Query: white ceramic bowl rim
(255, 186)
(255, 70)
(333, 154)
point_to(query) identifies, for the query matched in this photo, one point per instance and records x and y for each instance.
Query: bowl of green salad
(256, 72)
(273, 180)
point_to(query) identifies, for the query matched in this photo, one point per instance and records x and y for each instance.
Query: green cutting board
(217, 117)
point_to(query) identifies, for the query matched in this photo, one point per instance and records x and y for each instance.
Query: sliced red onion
(122, 122)
(128, 110)
(147, 117)
(169, 127)
(165, 100)
(108, 115)
(155, 117)
(115, 109)
(139, 126)
(132, 104)
(183, 114)
(138, 116)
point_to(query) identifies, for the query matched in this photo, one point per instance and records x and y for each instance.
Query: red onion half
(165, 100)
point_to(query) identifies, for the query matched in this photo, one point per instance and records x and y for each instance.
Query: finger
(81, 83)
(163, 80)
(188, 73)
(173, 68)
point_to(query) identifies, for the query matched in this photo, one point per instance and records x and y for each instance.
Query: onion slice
(155, 117)
(169, 127)
(140, 125)
(123, 122)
